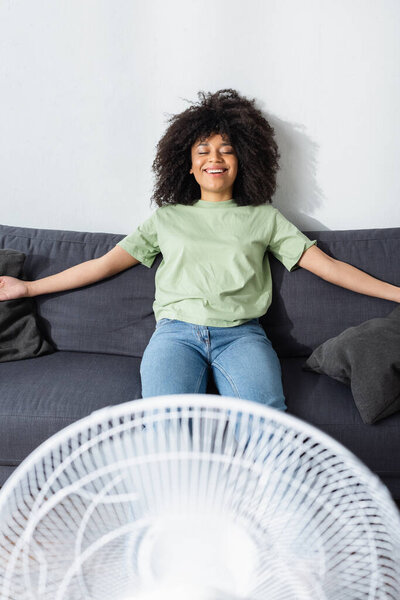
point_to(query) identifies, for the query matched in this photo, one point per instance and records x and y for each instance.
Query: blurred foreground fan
(198, 497)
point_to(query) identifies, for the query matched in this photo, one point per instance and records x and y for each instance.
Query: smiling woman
(215, 172)
(214, 166)
(223, 129)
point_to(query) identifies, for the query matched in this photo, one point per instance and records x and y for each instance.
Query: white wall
(86, 88)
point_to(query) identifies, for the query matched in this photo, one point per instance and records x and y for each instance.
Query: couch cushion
(20, 337)
(307, 310)
(113, 316)
(367, 358)
(329, 405)
(40, 396)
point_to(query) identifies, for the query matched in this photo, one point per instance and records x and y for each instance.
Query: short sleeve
(287, 243)
(142, 244)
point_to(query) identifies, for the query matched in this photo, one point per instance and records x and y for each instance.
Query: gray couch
(101, 331)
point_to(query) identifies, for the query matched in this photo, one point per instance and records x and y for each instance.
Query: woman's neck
(216, 196)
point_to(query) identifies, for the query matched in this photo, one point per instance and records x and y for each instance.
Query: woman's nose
(215, 155)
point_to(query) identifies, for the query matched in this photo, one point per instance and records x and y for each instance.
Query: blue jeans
(179, 356)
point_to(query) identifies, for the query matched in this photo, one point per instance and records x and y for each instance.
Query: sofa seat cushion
(329, 405)
(42, 395)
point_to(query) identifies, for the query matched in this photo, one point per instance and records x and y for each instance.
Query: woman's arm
(85, 273)
(343, 274)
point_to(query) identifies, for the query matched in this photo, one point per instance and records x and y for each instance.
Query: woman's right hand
(12, 288)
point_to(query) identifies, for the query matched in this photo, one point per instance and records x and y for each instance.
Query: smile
(215, 172)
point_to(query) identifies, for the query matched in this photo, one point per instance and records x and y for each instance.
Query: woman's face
(214, 166)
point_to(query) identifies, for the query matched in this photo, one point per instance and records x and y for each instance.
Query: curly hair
(227, 113)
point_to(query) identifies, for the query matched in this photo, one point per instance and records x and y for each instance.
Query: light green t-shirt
(215, 269)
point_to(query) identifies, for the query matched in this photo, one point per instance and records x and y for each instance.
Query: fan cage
(97, 509)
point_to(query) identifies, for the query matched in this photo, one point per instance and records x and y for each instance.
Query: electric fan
(196, 497)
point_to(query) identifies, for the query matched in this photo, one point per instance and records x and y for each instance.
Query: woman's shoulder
(168, 208)
(264, 212)
(267, 208)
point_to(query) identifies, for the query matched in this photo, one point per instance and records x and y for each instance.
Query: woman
(215, 177)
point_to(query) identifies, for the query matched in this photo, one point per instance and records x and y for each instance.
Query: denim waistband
(255, 321)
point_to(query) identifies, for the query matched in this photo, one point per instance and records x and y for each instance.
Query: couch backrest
(115, 316)
(307, 310)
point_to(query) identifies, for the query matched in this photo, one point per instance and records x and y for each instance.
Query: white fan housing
(196, 497)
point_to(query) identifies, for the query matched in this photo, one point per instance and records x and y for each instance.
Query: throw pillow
(19, 334)
(367, 358)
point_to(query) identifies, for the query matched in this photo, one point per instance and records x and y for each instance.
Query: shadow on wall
(298, 194)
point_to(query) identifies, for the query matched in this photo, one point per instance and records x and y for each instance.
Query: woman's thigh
(247, 367)
(171, 363)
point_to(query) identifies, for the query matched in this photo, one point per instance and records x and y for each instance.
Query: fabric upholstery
(367, 358)
(113, 316)
(306, 311)
(20, 337)
(328, 404)
(40, 396)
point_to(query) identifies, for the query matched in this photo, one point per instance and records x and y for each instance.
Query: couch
(100, 332)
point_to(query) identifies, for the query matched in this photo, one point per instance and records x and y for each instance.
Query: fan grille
(232, 498)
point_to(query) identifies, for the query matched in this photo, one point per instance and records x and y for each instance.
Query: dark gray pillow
(367, 358)
(19, 334)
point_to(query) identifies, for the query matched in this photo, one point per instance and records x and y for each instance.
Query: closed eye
(227, 152)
